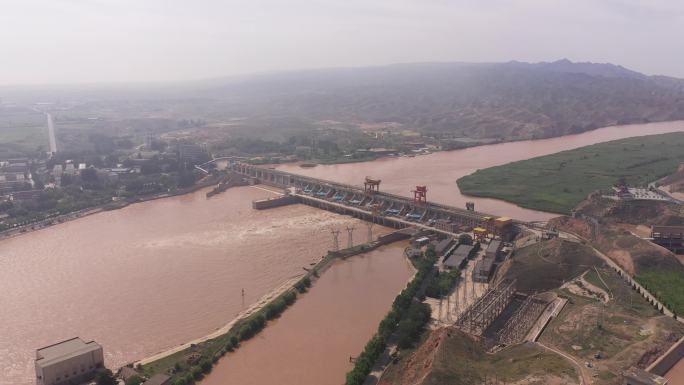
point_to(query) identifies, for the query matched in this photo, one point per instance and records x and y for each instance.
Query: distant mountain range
(512, 100)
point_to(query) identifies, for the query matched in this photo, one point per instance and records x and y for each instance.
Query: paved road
(51, 133)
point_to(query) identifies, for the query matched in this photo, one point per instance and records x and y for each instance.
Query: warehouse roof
(64, 350)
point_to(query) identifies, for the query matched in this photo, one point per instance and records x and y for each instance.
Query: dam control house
(68, 362)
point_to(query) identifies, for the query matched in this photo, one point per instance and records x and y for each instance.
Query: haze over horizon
(79, 41)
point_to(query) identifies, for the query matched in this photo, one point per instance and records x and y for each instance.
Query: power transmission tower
(336, 239)
(370, 231)
(350, 239)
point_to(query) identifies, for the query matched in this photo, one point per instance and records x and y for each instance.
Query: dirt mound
(546, 265)
(635, 212)
(450, 357)
(632, 253)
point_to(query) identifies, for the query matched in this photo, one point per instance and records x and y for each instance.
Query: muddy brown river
(157, 274)
(152, 275)
(439, 171)
(311, 343)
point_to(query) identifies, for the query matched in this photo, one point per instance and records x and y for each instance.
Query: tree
(465, 239)
(105, 377)
(186, 179)
(134, 380)
(89, 175)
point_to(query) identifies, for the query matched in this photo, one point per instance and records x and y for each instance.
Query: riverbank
(45, 223)
(182, 360)
(558, 182)
(439, 170)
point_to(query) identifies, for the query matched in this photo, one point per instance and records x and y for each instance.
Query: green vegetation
(667, 286)
(134, 380)
(105, 377)
(443, 283)
(407, 319)
(22, 132)
(558, 182)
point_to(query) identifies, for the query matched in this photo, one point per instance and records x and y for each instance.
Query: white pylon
(336, 239)
(350, 240)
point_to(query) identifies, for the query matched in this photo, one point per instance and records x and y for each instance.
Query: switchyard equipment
(484, 311)
(521, 322)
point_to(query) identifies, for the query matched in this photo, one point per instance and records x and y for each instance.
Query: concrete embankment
(275, 202)
(668, 360)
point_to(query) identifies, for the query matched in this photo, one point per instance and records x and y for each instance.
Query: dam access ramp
(368, 203)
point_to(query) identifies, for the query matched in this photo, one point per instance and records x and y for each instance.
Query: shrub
(196, 372)
(205, 365)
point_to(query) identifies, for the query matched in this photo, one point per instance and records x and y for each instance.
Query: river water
(152, 275)
(157, 274)
(440, 170)
(310, 344)
(676, 374)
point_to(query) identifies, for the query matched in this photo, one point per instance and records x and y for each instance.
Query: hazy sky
(66, 41)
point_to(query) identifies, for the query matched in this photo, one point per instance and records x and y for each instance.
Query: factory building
(68, 362)
(459, 257)
(670, 237)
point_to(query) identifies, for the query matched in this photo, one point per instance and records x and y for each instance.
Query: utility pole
(370, 231)
(350, 240)
(336, 239)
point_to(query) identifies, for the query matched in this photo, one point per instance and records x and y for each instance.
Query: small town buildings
(67, 362)
(192, 153)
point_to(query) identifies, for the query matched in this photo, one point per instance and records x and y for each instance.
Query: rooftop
(64, 350)
(464, 250)
(494, 246)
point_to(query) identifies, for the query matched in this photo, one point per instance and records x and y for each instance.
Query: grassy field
(22, 130)
(667, 286)
(558, 182)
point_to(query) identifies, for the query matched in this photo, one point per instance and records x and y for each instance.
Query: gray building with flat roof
(71, 361)
(459, 257)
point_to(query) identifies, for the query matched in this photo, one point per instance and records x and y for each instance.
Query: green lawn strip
(666, 285)
(558, 182)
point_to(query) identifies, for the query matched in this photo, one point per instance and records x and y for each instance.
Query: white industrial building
(70, 361)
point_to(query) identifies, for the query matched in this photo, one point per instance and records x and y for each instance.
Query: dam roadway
(370, 204)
